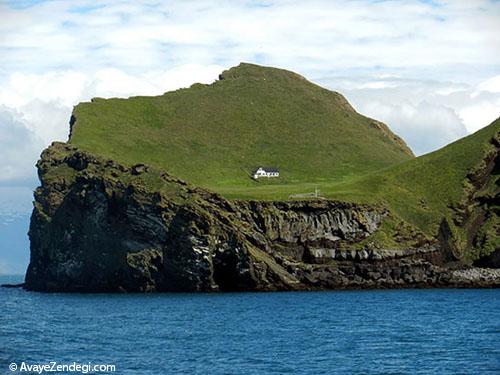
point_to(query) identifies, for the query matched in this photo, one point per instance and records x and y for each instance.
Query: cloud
(424, 126)
(306, 36)
(19, 146)
(114, 82)
(480, 113)
(42, 97)
(490, 85)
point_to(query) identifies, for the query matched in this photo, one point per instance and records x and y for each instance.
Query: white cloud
(424, 126)
(428, 114)
(114, 82)
(305, 36)
(484, 112)
(19, 147)
(491, 85)
(60, 86)
(45, 100)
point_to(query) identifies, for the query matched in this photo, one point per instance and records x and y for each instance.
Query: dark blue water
(362, 332)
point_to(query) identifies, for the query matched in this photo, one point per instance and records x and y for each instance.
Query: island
(158, 194)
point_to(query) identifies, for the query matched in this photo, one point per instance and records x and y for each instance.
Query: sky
(429, 69)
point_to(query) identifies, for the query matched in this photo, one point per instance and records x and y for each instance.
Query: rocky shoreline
(98, 226)
(469, 277)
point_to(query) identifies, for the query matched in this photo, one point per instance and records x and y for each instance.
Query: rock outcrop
(474, 230)
(98, 226)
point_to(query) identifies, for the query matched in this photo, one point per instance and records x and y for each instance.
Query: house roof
(267, 169)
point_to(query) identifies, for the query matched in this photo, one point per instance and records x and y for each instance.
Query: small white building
(266, 172)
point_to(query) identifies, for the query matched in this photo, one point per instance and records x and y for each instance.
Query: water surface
(362, 332)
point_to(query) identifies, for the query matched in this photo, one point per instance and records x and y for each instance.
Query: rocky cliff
(98, 226)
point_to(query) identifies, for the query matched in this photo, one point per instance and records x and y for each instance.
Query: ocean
(440, 331)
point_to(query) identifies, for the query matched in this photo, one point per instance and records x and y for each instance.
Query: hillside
(460, 182)
(214, 135)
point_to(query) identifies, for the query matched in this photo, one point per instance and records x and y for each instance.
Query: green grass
(421, 190)
(214, 135)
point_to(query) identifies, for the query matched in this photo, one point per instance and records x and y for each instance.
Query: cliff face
(100, 226)
(475, 225)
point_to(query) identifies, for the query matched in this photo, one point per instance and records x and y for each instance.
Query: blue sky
(429, 69)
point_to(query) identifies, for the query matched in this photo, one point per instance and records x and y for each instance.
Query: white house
(266, 172)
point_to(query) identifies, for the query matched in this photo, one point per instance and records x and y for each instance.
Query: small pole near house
(315, 194)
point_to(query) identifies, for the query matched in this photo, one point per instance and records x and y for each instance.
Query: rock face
(478, 213)
(98, 226)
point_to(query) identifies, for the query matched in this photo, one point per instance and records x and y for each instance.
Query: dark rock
(139, 168)
(447, 241)
(12, 285)
(491, 260)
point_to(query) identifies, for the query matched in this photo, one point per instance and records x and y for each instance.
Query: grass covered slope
(423, 190)
(214, 135)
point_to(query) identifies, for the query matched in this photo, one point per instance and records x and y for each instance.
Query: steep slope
(459, 183)
(214, 135)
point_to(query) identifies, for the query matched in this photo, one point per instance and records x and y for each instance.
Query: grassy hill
(423, 189)
(215, 135)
